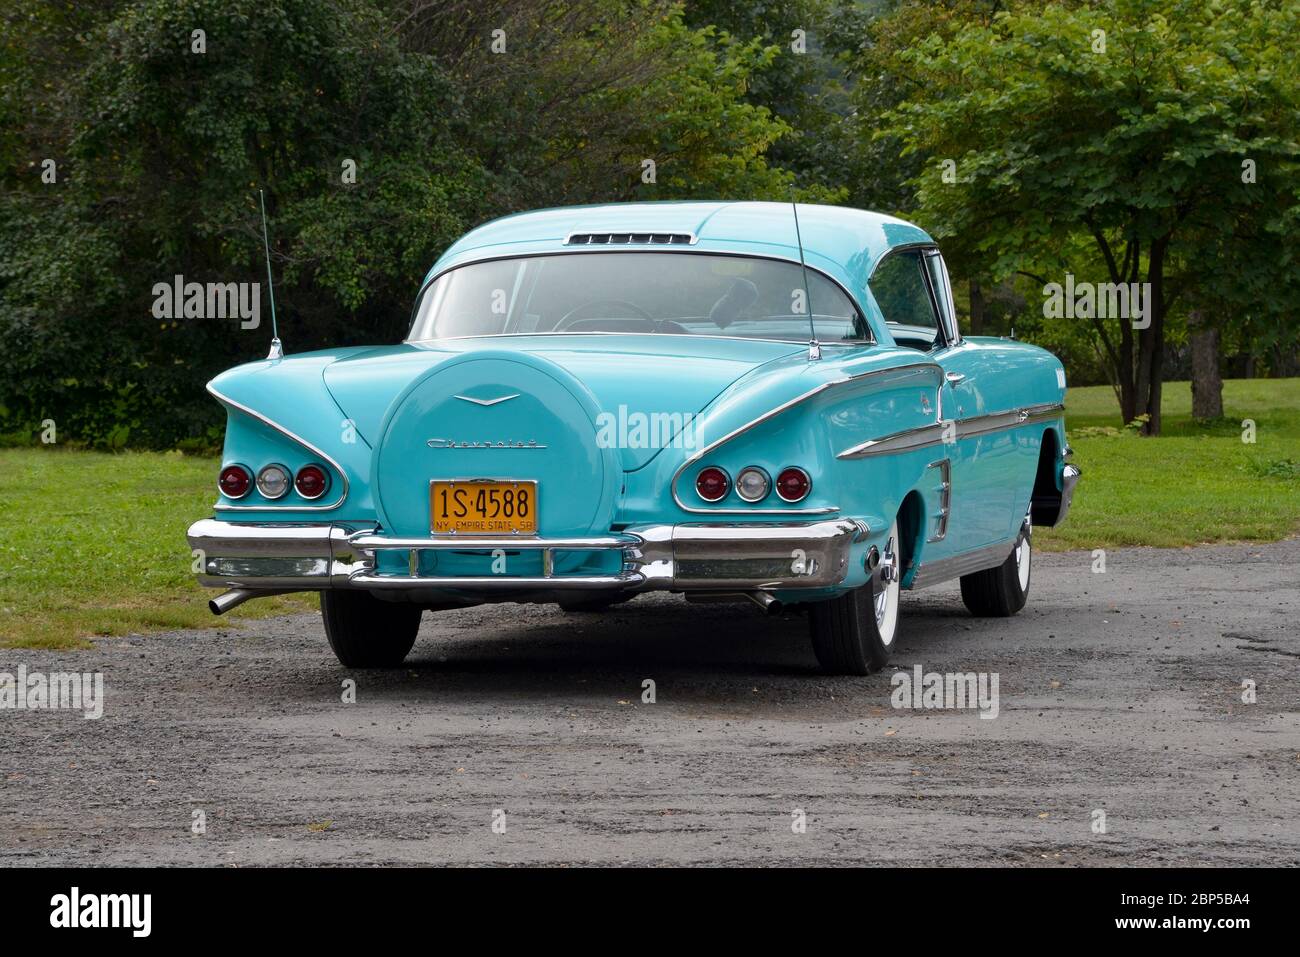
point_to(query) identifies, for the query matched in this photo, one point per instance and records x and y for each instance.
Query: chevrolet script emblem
(501, 444)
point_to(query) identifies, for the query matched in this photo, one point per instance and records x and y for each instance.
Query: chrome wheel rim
(886, 597)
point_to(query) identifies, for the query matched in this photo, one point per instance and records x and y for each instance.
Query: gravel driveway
(1119, 692)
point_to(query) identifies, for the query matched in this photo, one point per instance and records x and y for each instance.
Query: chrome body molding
(322, 454)
(699, 454)
(942, 514)
(758, 556)
(946, 569)
(488, 402)
(933, 434)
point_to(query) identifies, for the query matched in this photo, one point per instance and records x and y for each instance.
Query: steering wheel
(564, 320)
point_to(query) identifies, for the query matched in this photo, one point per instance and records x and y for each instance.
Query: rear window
(664, 293)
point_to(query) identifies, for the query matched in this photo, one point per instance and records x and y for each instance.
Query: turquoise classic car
(746, 401)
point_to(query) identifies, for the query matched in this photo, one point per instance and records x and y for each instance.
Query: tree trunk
(976, 308)
(1151, 354)
(1207, 383)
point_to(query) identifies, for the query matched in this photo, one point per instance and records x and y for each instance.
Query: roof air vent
(630, 239)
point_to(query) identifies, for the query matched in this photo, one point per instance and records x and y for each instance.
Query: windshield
(695, 294)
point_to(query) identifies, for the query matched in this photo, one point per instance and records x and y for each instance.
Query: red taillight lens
(235, 481)
(311, 481)
(712, 484)
(793, 484)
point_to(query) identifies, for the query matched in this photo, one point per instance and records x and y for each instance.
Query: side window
(900, 289)
(943, 292)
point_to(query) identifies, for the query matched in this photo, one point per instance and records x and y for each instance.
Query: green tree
(1125, 122)
(162, 138)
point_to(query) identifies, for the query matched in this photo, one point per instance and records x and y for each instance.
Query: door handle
(955, 377)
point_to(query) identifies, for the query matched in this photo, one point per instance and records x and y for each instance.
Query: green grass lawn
(94, 544)
(1194, 484)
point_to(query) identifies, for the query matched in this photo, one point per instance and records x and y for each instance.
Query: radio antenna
(277, 350)
(814, 347)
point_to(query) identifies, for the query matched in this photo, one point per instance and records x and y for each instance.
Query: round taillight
(311, 481)
(752, 484)
(273, 481)
(712, 484)
(234, 481)
(793, 484)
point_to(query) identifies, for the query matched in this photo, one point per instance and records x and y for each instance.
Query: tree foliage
(161, 119)
(1109, 140)
(160, 150)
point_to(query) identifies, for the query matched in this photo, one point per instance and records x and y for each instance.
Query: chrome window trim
(772, 413)
(948, 317)
(343, 476)
(667, 250)
(925, 249)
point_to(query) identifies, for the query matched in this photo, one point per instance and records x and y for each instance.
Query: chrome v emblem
(504, 398)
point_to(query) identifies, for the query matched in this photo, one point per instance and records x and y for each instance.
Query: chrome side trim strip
(905, 441)
(824, 510)
(343, 493)
(927, 435)
(946, 569)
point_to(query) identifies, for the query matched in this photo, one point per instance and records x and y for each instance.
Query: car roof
(844, 243)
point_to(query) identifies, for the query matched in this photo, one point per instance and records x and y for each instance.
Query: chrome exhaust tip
(765, 601)
(232, 599)
(872, 560)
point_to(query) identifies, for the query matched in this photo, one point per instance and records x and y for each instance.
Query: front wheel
(1002, 591)
(367, 632)
(854, 634)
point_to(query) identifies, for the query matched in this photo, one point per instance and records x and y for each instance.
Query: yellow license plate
(483, 508)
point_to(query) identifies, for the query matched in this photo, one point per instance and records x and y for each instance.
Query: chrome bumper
(1049, 505)
(683, 557)
(1069, 479)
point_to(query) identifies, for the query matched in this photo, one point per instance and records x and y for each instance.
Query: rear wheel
(366, 632)
(854, 634)
(1001, 592)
